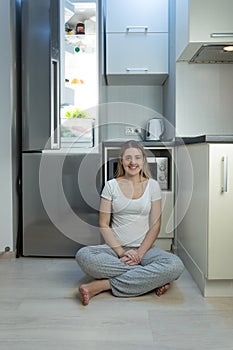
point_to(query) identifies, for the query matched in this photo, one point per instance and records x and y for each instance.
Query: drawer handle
(135, 28)
(137, 69)
(225, 173)
(221, 35)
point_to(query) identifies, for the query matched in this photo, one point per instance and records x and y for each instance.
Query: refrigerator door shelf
(77, 132)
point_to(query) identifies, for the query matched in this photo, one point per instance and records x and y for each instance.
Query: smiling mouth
(133, 167)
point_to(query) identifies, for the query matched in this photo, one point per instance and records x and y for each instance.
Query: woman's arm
(155, 223)
(104, 224)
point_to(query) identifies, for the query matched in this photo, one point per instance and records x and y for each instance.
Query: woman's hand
(131, 257)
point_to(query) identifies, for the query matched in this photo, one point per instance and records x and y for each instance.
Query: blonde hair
(145, 172)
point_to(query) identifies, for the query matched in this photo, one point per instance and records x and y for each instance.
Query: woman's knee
(172, 265)
(81, 255)
(177, 266)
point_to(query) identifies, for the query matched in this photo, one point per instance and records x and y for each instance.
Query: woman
(129, 219)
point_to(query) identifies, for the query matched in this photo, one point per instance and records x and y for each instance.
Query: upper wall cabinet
(122, 14)
(136, 42)
(205, 23)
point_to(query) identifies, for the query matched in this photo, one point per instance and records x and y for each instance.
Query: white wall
(129, 105)
(204, 99)
(6, 117)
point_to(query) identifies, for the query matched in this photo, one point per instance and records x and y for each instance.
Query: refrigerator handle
(55, 108)
(225, 173)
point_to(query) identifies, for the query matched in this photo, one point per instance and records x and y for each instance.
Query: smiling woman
(132, 155)
(129, 218)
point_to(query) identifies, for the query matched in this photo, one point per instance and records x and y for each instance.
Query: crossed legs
(158, 268)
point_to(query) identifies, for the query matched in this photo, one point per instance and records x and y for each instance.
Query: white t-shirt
(130, 219)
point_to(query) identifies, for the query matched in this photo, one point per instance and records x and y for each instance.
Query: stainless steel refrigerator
(60, 189)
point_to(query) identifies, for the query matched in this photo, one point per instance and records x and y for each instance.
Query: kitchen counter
(204, 139)
(117, 143)
(177, 142)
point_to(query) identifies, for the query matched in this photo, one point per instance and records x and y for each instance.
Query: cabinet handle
(141, 28)
(225, 173)
(221, 35)
(137, 69)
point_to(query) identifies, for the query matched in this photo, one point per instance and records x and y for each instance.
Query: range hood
(213, 53)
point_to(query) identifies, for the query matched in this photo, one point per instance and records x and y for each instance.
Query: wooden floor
(40, 309)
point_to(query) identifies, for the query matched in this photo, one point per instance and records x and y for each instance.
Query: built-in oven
(159, 162)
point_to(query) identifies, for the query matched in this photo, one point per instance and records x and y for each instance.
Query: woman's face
(132, 161)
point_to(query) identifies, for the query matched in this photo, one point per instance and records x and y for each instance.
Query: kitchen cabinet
(136, 42)
(204, 236)
(201, 22)
(121, 14)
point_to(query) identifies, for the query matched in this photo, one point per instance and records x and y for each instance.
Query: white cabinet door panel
(220, 240)
(210, 16)
(137, 53)
(121, 14)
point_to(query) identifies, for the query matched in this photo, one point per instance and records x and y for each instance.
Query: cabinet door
(136, 15)
(220, 230)
(208, 17)
(137, 53)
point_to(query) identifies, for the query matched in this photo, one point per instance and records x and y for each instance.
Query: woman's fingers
(133, 256)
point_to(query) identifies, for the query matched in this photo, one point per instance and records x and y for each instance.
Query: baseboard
(8, 255)
(209, 288)
(218, 288)
(191, 266)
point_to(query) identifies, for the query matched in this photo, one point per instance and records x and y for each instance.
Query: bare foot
(161, 290)
(89, 290)
(84, 295)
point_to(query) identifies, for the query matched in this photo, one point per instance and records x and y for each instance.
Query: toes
(84, 295)
(161, 290)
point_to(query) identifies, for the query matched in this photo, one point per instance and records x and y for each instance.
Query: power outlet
(130, 131)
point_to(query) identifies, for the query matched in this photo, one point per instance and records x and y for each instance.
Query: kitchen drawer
(136, 15)
(137, 53)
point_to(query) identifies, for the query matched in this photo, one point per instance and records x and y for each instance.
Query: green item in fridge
(76, 113)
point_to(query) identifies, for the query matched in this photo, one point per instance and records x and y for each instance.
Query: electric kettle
(154, 129)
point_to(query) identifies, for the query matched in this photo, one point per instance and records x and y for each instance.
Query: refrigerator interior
(79, 73)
